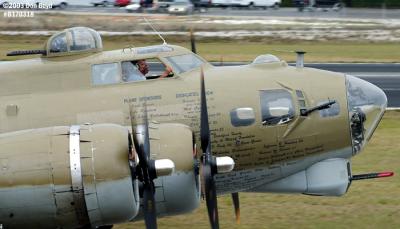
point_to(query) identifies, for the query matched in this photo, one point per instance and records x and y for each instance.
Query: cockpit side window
(184, 63)
(59, 44)
(144, 69)
(130, 72)
(103, 74)
(276, 107)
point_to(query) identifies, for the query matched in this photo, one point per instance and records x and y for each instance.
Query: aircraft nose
(366, 104)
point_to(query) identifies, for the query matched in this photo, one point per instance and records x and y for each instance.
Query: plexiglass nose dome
(366, 103)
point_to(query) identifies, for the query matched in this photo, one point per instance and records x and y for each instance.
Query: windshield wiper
(306, 112)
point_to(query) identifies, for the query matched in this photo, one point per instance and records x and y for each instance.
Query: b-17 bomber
(92, 138)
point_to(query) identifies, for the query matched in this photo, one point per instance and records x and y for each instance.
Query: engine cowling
(66, 177)
(179, 192)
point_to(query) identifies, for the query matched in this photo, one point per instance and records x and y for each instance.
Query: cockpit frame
(72, 42)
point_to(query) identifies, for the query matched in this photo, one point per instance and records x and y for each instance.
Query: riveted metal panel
(65, 216)
(21, 206)
(105, 169)
(59, 158)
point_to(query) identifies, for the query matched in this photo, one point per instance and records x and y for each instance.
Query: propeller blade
(235, 199)
(132, 117)
(150, 216)
(208, 162)
(204, 126)
(149, 207)
(146, 171)
(211, 196)
(146, 142)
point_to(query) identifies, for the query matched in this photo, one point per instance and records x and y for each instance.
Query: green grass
(368, 204)
(231, 50)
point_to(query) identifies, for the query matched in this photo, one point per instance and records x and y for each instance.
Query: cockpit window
(144, 69)
(59, 44)
(130, 72)
(276, 107)
(105, 74)
(184, 63)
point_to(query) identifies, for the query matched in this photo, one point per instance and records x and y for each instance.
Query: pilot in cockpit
(137, 70)
(143, 67)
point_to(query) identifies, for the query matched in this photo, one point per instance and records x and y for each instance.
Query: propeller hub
(224, 164)
(164, 167)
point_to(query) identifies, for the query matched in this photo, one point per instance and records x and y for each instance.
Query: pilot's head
(142, 66)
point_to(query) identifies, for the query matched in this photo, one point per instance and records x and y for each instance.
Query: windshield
(184, 63)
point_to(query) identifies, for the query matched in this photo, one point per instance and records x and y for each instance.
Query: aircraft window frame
(302, 103)
(131, 73)
(97, 73)
(300, 94)
(271, 101)
(89, 39)
(64, 43)
(152, 74)
(244, 116)
(301, 99)
(176, 62)
(119, 69)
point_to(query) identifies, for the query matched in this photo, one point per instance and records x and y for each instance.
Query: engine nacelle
(330, 177)
(179, 192)
(66, 177)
